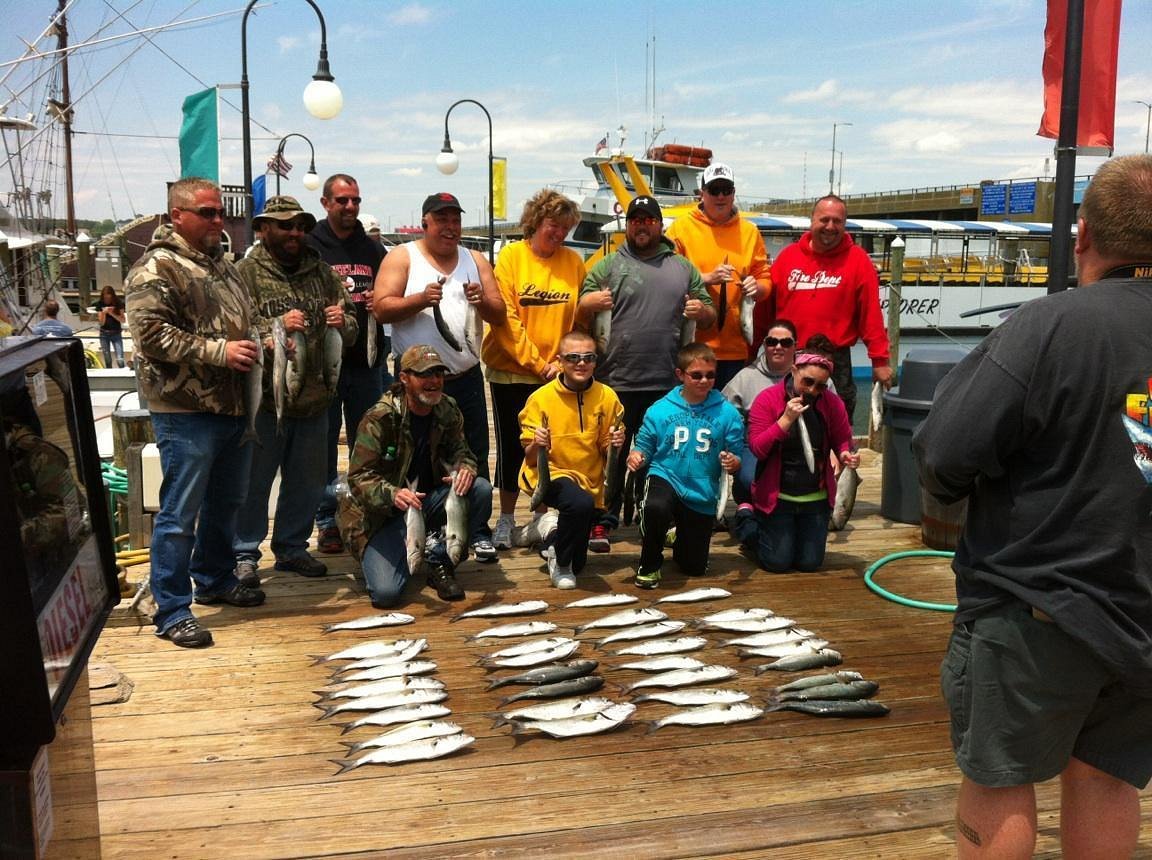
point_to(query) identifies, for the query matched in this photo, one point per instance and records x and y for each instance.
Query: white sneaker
(502, 534)
(539, 530)
(562, 577)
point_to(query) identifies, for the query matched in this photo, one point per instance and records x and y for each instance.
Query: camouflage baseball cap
(285, 208)
(420, 358)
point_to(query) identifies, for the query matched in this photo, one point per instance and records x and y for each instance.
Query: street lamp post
(322, 98)
(832, 169)
(1148, 125)
(311, 179)
(447, 162)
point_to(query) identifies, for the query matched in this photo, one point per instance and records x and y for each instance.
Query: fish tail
(494, 683)
(344, 765)
(518, 728)
(317, 659)
(328, 710)
(346, 727)
(652, 725)
(328, 628)
(761, 669)
(352, 746)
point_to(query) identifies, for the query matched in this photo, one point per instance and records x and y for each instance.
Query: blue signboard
(1022, 199)
(993, 199)
(1078, 189)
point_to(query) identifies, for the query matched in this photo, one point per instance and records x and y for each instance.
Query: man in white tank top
(434, 292)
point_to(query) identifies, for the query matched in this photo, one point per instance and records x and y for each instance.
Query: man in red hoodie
(825, 284)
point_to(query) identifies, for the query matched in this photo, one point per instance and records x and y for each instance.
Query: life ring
(617, 209)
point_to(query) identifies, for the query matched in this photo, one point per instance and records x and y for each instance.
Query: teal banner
(198, 137)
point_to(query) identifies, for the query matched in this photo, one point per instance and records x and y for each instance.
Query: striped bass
(528, 647)
(415, 536)
(279, 368)
(522, 628)
(710, 715)
(377, 688)
(395, 670)
(455, 524)
(414, 647)
(747, 311)
(296, 368)
(555, 710)
(441, 323)
(601, 600)
(364, 650)
(406, 733)
(771, 637)
(752, 613)
(851, 690)
(687, 331)
(643, 631)
(786, 649)
(696, 594)
(473, 330)
(663, 646)
(694, 696)
(604, 721)
(624, 618)
(846, 486)
(752, 625)
(392, 716)
(382, 701)
(533, 658)
(842, 677)
(725, 493)
(525, 607)
(368, 622)
(572, 687)
(543, 473)
(370, 337)
(800, 662)
(836, 708)
(553, 674)
(421, 750)
(666, 663)
(707, 674)
(254, 390)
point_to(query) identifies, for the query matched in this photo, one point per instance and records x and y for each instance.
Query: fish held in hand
(253, 390)
(455, 524)
(846, 486)
(543, 472)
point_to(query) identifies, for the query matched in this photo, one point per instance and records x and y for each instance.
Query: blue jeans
(109, 341)
(298, 453)
(205, 477)
(742, 480)
(468, 392)
(385, 561)
(357, 391)
(792, 537)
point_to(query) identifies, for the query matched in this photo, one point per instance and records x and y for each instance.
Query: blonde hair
(548, 204)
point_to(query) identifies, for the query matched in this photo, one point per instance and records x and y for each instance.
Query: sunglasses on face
(208, 213)
(289, 226)
(698, 375)
(579, 357)
(344, 201)
(809, 382)
(425, 374)
(785, 342)
(720, 190)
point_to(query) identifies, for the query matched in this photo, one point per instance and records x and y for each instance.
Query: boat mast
(65, 113)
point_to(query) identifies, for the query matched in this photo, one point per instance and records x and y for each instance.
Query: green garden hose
(907, 601)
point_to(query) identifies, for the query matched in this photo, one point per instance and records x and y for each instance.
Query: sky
(920, 94)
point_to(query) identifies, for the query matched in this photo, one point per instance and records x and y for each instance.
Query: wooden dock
(219, 754)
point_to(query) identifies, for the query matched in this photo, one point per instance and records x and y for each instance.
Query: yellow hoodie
(708, 244)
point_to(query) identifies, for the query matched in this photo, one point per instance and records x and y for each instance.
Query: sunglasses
(579, 357)
(208, 213)
(289, 226)
(720, 189)
(697, 375)
(344, 201)
(785, 342)
(812, 383)
(425, 374)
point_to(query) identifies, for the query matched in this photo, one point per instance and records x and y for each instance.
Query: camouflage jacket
(183, 308)
(311, 288)
(380, 461)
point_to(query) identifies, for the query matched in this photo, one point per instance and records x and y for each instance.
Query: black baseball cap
(647, 205)
(443, 200)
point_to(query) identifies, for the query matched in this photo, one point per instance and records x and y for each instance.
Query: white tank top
(421, 328)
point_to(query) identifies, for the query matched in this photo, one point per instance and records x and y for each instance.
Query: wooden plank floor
(219, 754)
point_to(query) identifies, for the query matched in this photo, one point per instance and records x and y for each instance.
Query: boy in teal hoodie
(686, 438)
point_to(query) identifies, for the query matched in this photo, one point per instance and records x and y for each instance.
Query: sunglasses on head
(579, 357)
(698, 375)
(785, 342)
(208, 213)
(344, 201)
(720, 189)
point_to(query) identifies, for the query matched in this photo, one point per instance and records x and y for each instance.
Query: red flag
(1101, 41)
(602, 145)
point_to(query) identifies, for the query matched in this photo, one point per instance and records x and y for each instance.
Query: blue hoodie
(682, 444)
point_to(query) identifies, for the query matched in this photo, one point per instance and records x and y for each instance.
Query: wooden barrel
(940, 524)
(128, 426)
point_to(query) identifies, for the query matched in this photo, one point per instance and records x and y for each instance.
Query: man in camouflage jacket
(192, 320)
(289, 281)
(398, 481)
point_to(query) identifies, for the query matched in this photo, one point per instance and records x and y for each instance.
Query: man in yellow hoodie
(730, 254)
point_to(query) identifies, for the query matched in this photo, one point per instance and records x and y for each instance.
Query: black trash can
(905, 408)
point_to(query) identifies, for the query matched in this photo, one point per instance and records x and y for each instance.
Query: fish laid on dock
(694, 696)
(496, 610)
(406, 733)
(751, 625)
(392, 716)
(392, 619)
(624, 618)
(800, 662)
(707, 674)
(721, 714)
(559, 690)
(421, 750)
(696, 594)
(771, 637)
(382, 701)
(750, 614)
(376, 688)
(522, 628)
(378, 648)
(599, 600)
(852, 690)
(555, 710)
(410, 652)
(643, 631)
(532, 658)
(395, 670)
(846, 486)
(836, 708)
(528, 647)
(543, 472)
(663, 646)
(797, 648)
(553, 674)
(604, 721)
(844, 676)
(666, 663)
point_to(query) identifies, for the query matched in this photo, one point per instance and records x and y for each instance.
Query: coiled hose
(870, 581)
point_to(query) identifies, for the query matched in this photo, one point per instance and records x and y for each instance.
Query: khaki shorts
(1024, 697)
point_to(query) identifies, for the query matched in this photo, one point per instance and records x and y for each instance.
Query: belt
(1042, 616)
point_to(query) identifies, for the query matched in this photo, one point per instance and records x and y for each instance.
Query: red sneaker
(598, 539)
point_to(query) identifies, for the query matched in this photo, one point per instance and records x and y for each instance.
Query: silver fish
(533, 658)
(771, 637)
(608, 719)
(367, 622)
(710, 715)
(543, 472)
(687, 331)
(254, 390)
(836, 708)
(806, 445)
(333, 356)
(613, 483)
(800, 662)
(851, 690)
(521, 628)
(725, 493)
(296, 368)
(747, 311)
(846, 486)
(525, 607)
(602, 330)
(706, 674)
(548, 674)
(572, 687)
(694, 696)
(395, 670)
(378, 688)
(415, 536)
(752, 625)
(786, 649)
(366, 649)
(667, 663)
(279, 368)
(696, 594)
(414, 647)
(405, 733)
(392, 716)
(528, 647)
(643, 631)
(473, 330)
(624, 618)
(663, 646)
(381, 701)
(455, 525)
(370, 347)
(877, 405)
(842, 677)
(421, 750)
(633, 489)
(752, 613)
(601, 600)
(555, 710)
(442, 327)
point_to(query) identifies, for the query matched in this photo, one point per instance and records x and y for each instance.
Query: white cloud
(825, 92)
(413, 13)
(288, 43)
(407, 171)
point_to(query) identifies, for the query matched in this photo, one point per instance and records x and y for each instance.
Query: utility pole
(832, 169)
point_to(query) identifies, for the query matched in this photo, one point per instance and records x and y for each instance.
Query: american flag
(602, 145)
(279, 164)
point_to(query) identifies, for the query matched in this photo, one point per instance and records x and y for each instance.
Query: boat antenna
(63, 109)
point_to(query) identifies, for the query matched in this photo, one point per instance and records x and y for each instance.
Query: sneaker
(483, 551)
(647, 579)
(187, 633)
(502, 534)
(302, 564)
(539, 530)
(246, 573)
(670, 537)
(562, 577)
(598, 539)
(330, 541)
(237, 595)
(443, 580)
